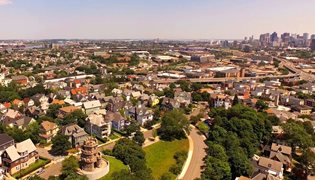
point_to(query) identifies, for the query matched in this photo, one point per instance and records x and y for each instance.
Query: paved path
(53, 170)
(198, 153)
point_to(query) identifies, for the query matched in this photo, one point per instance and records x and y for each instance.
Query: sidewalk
(189, 157)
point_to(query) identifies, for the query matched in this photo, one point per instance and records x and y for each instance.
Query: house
(19, 156)
(39, 98)
(98, 125)
(48, 130)
(269, 166)
(79, 90)
(220, 100)
(66, 110)
(10, 115)
(91, 106)
(135, 94)
(294, 101)
(184, 98)
(118, 121)
(28, 102)
(76, 134)
(34, 112)
(21, 122)
(5, 142)
(21, 80)
(310, 102)
(64, 93)
(141, 114)
(115, 104)
(277, 130)
(302, 109)
(282, 154)
(58, 102)
(17, 103)
(169, 103)
(3, 108)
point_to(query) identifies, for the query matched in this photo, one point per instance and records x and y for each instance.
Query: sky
(149, 19)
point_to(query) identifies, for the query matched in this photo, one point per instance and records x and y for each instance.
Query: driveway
(196, 163)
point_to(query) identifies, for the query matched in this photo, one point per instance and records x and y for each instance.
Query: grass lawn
(115, 165)
(114, 136)
(39, 163)
(160, 158)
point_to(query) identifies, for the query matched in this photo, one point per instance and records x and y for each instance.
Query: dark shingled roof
(4, 138)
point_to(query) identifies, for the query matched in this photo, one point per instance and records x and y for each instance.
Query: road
(196, 163)
(218, 80)
(303, 75)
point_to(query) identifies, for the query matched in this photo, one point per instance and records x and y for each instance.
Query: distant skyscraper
(305, 36)
(274, 37)
(264, 39)
(313, 36)
(313, 45)
(285, 37)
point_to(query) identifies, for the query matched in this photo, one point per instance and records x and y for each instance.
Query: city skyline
(175, 19)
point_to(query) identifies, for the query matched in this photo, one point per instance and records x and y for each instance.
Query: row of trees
(233, 140)
(13, 91)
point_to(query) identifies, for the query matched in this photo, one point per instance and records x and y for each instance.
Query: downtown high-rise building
(306, 36)
(274, 37)
(313, 45)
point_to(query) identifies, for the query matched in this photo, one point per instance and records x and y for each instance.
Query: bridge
(220, 80)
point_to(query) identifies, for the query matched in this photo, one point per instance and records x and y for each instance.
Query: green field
(160, 158)
(115, 165)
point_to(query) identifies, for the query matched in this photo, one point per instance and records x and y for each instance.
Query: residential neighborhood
(139, 90)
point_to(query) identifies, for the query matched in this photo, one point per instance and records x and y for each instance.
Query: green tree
(261, 105)
(60, 144)
(132, 154)
(235, 100)
(216, 169)
(77, 116)
(70, 167)
(132, 128)
(234, 138)
(139, 138)
(53, 110)
(296, 135)
(307, 161)
(166, 176)
(173, 126)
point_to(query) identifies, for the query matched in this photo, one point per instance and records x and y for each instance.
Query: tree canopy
(60, 144)
(233, 139)
(130, 153)
(173, 126)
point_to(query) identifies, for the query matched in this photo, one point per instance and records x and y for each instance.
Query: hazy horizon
(143, 19)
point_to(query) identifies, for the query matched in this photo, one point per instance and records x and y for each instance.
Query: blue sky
(165, 19)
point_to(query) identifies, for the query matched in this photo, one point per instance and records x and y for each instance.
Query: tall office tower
(313, 45)
(274, 37)
(305, 36)
(313, 36)
(285, 37)
(264, 39)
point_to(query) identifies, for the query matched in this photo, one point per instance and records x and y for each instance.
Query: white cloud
(5, 2)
